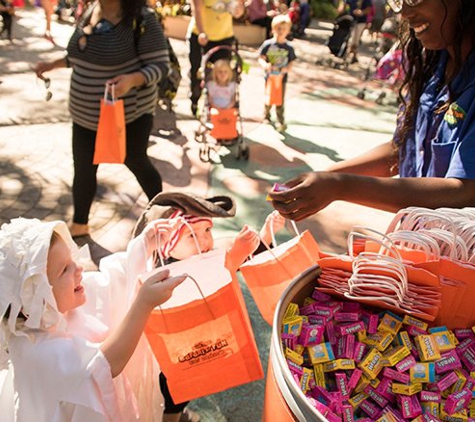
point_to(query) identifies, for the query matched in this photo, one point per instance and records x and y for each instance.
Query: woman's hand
(202, 39)
(124, 83)
(307, 194)
(42, 67)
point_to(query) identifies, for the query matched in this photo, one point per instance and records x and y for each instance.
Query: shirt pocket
(441, 157)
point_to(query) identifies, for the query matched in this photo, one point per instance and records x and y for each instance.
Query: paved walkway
(326, 123)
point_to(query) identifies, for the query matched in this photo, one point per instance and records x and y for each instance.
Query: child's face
(65, 277)
(186, 246)
(222, 74)
(281, 30)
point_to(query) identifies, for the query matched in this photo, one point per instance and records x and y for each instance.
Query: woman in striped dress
(118, 42)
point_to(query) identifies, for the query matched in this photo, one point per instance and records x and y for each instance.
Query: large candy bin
(284, 401)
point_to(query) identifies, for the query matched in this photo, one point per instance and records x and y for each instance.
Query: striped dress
(97, 57)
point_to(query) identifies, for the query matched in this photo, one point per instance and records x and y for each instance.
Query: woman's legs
(85, 173)
(84, 181)
(137, 160)
(48, 7)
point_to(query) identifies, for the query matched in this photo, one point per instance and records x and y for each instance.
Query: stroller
(339, 39)
(224, 125)
(385, 66)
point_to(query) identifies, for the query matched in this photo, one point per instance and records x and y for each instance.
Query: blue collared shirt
(442, 144)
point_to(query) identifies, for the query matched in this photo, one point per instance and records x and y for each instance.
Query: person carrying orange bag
(110, 136)
(203, 341)
(275, 57)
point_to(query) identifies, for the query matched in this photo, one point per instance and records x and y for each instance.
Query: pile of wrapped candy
(356, 363)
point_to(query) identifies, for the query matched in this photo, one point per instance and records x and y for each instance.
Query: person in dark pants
(211, 25)
(7, 12)
(104, 49)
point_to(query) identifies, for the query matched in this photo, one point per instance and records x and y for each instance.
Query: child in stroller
(221, 88)
(220, 116)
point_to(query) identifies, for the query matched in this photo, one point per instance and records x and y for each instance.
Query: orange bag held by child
(274, 90)
(269, 273)
(201, 336)
(110, 136)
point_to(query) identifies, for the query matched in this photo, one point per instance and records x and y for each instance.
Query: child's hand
(157, 232)
(157, 287)
(247, 241)
(274, 223)
(244, 245)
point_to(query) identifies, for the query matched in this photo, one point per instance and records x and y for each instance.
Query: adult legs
(85, 173)
(266, 23)
(358, 29)
(137, 160)
(84, 181)
(48, 7)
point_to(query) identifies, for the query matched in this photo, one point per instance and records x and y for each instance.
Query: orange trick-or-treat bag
(110, 136)
(202, 337)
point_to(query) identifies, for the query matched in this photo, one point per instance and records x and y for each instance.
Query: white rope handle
(272, 234)
(385, 242)
(158, 241)
(111, 88)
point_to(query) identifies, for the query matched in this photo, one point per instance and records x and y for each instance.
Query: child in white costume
(62, 359)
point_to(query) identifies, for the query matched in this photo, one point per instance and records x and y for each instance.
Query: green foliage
(323, 9)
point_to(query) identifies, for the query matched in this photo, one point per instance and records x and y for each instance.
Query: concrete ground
(326, 123)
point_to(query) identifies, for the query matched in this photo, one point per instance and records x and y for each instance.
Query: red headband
(168, 246)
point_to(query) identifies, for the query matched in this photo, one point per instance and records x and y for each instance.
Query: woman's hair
(222, 64)
(131, 9)
(420, 64)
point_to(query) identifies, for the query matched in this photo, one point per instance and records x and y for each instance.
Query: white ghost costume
(51, 365)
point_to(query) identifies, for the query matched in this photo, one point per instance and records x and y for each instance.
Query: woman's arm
(152, 49)
(366, 180)
(311, 192)
(379, 161)
(42, 67)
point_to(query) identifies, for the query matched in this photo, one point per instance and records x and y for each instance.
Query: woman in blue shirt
(433, 148)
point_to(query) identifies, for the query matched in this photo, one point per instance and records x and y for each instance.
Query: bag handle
(416, 241)
(202, 295)
(272, 234)
(385, 242)
(276, 258)
(158, 247)
(110, 88)
(274, 242)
